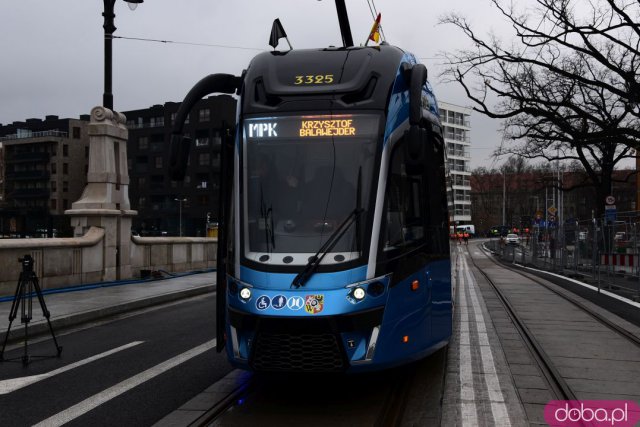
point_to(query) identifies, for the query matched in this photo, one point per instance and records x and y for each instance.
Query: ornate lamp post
(109, 29)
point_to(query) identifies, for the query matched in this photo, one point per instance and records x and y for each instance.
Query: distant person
(465, 236)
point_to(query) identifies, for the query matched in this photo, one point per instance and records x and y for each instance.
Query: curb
(41, 327)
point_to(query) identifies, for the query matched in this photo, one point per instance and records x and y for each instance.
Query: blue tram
(333, 250)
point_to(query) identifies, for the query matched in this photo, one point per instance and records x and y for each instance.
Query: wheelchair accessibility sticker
(263, 302)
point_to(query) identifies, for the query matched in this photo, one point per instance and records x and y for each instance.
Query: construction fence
(604, 252)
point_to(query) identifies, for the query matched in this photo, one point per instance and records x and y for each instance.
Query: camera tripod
(27, 284)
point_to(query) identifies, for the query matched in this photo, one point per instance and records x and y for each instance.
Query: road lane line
(496, 397)
(469, 413)
(13, 384)
(98, 399)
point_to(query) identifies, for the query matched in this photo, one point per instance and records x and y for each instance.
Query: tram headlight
(358, 294)
(245, 293)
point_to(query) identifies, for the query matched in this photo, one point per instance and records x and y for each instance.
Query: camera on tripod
(27, 284)
(27, 263)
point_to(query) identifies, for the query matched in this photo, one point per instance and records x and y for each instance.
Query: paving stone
(529, 381)
(535, 413)
(524, 369)
(535, 395)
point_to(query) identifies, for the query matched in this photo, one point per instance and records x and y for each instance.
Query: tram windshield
(304, 175)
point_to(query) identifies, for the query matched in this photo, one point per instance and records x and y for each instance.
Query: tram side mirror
(180, 148)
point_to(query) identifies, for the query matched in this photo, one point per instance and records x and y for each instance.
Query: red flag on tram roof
(374, 34)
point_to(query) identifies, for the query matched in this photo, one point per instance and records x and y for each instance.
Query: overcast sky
(52, 50)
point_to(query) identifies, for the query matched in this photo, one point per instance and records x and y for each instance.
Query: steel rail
(558, 384)
(599, 317)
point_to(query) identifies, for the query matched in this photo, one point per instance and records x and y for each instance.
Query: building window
(204, 159)
(159, 162)
(202, 142)
(65, 168)
(54, 204)
(65, 204)
(204, 115)
(157, 146)
(65, 150)
(76, 133)
(65, 186)
(143, 143)
(54, 186)
(142, 181)
(86, 152)
(142, 201)
(54, 169)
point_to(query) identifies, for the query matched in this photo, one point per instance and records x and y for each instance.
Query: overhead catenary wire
(187, 43)
(222, 46)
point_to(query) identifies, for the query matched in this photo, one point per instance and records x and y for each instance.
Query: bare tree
(567, 88)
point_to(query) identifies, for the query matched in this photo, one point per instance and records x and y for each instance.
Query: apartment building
(161, 202)
(45, 167)
(457, 128)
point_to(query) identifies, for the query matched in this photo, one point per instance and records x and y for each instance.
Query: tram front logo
(263, 130)
(313, 304)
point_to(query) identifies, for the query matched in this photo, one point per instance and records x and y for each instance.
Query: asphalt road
(159, 360)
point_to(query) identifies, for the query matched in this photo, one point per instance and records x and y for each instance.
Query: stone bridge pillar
(105, 200)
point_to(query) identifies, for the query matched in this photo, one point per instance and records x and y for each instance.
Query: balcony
(453, 121)
(29, 193)
(28, 176)
(459, 153)
(18, 157)
(43, 134)
(459, 168)
(460, 138)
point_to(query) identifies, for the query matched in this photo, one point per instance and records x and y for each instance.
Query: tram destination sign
(305, 127)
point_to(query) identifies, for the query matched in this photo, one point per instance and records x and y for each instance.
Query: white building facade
(457, 129)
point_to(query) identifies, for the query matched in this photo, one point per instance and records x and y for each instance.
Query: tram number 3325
(314, 79)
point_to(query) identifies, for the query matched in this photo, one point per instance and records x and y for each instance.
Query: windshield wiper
(313, 263)
(267, 217)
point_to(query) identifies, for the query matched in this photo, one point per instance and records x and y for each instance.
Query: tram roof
(308, 79)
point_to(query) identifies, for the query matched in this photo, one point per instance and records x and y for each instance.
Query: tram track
(599, 317)
(373, 399)
(557, 382)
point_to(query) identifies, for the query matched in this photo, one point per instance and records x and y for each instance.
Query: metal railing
(605, 254)
(46, 133)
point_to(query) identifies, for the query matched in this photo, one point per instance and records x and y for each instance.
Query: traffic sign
(610, 213)
(552, 210)
(610, 200)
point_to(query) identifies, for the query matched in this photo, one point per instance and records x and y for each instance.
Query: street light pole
(180, 214)
(504, 197)
(109, 29)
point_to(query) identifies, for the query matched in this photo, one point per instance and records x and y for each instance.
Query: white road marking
(11, 385)
(498, 407)
(467, 394)
(122, 387)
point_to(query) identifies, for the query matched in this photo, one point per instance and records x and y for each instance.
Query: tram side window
(405, 208)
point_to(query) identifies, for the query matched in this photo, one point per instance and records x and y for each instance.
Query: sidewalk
(75, 307)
